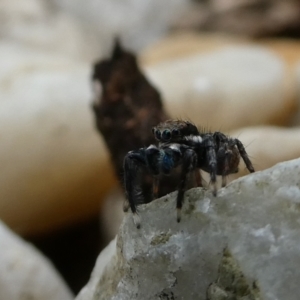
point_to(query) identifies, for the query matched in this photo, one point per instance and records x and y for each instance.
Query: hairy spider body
(181, 144)
(156, 160)
(210, 147)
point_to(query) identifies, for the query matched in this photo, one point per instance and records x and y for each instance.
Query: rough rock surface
(243, 244)
(25, 274)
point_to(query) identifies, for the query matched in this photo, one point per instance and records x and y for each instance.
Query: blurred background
(226, 65)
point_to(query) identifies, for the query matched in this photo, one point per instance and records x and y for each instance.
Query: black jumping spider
(182, 144)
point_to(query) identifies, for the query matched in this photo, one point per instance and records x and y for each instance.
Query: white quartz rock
(233, 87)
(25, 273)
(244, 243)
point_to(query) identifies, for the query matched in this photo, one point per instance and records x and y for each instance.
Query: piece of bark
(126, 107)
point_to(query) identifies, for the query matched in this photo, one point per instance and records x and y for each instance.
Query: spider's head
(165, 134)
(173, 130)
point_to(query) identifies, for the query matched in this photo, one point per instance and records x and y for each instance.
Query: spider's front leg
(155, 187)
(211, 157)
(134, 162)
(244, 155)
(189, 164)
(225, 162)
(227, 156)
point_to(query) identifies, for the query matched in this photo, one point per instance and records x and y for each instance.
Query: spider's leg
(226, 167)
(155, 187)
(126, 205)
(189, 163)
(226, 157)
(198, 178)
(133, 162)
(244, 155)
(212, 161)
(224, 180)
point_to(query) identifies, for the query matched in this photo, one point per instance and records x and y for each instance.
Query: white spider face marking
(175, 147)
(194, 138)
(151, 147)
(197, 139)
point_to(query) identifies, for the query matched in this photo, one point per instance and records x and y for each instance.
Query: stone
(185, 44)
(112, 205)
(296, 120)
(298, 80)
(41, 25)
(91, 29)
(25, 273)
(54, 167)
(131, 20)
(242, 244)
(105, 256)
(268, 145)
(289, 51)
(256, 18)
(225, 89)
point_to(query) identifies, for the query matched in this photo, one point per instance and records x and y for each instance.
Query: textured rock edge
(111, 273)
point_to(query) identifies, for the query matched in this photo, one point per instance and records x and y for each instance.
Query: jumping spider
(182, 144)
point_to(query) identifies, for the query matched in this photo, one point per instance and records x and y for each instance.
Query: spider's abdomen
(167, 162)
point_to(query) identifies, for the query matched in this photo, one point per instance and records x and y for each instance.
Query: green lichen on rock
(231, 283)
(262, 184)
(161, 238)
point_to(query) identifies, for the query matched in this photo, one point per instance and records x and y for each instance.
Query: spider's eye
(166, 135)
(157, 134)
(175, 132)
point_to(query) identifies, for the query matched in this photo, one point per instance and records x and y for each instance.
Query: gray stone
(25, 274)
(242, 244)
